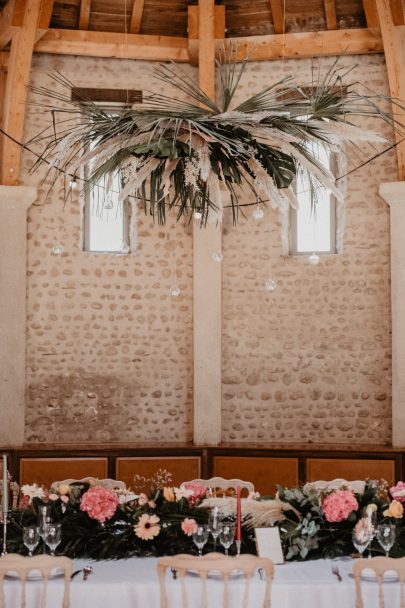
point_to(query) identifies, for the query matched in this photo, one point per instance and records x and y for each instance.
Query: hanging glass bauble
(217, 256)
(58, 249)
(270, 285)
(258, 214)
(108, 204)
(175, 291)
(197, 215)
(73, 184)
(314, 259)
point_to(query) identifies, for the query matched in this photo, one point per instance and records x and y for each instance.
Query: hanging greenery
(187, 155)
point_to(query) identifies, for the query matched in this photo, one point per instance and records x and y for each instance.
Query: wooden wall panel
(263, 472)
(350, 469)
(44, 471)
(182, 468)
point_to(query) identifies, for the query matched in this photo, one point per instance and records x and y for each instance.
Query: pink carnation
(189, 526)
(398, 491)
(99, 503)
(338, 505)
(198, 492)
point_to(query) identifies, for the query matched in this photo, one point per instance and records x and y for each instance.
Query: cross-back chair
(218, 563)
(109, 484)
(215, 483)
(379, 565)
(45, 564)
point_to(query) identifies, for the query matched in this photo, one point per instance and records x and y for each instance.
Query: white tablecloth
(134, 583)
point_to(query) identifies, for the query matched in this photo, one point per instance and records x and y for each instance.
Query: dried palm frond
(255, 513)
(188, 153)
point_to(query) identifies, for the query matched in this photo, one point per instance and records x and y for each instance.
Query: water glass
(53, 536)
(44, 518)
(31, 538)
(227, 536)
(362, 535)
(215, 524)
(386, 534)
(200, 537)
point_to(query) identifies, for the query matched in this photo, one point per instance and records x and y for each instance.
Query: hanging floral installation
(197, 156)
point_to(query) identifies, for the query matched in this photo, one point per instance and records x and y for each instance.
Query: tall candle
(238, 535)
(5, 485)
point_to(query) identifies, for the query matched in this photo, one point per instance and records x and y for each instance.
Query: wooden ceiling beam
(8, 24)
(16, 92)
(136, 17)
(370, 12)
(330, 14)
(393, 37)
(398, 11)
(277, 11)
(112, 44)
(84, 15)
(193, 31)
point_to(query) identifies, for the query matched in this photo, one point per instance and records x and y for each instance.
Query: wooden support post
(84, 15)
(393, 37)
(136, 16)
(193, 31)
(330, 14)
(371, 13)
(277, 11)
(16, 93)
(207, 276)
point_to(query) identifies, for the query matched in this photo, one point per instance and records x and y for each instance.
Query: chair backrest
(214, 562)
(379, 565)
(220, 482)
(22, 566)
(109, 484)
(356, 486)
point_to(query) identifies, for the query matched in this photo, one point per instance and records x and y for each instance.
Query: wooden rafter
(136, 16)
(398, 11)
(19, 65)
(193, 29)
(8, 25)
(84, 16)
(277, 11)
(393, 37)
(330, 14)
(371, 13)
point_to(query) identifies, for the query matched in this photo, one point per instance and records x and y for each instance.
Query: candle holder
(4, 520)
(238, 546)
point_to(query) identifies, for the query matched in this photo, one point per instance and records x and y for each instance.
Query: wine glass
(200, 537)
(31, 538)
(362, 535)
(53, 536)
(386, 536)
(227, 536)
(214, 524)
(44, 518)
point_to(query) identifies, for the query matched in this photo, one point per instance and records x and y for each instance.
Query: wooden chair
(219, 482)
(22, 566)
(217, 562)
(379, 565)
(109, 484)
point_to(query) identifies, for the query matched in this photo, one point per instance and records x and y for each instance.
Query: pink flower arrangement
(338, 505)
(99, 503)
(398, 491)
(198, 492)
(189, 526)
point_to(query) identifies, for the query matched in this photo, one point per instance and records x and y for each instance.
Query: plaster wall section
(311, 362)
(109, 351)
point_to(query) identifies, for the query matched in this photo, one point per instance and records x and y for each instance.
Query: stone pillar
(207, 335)
(14, 202)
(394, 194)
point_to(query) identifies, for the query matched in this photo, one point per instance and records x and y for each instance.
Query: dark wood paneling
(182, 468)
(106, 95)
(350, 469)
(264, 472)
(44, 471)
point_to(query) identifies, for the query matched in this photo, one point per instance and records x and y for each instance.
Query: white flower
(127, 497)
(33, 491)
(182, 493)
(254, 496)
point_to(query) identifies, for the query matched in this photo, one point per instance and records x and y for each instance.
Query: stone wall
(109, 352)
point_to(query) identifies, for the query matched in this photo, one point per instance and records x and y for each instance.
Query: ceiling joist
(330, 14)
(84, 15)
(370, 13)
(277, 11)
(136, 17)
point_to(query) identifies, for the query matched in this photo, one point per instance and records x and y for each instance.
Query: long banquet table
(133, 583)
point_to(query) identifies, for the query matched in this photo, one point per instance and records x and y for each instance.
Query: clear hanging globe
(197, 215)
(175, 291)
(217, 256)
(58, 249)
(73, 184)
(270, 285)
(314, 259)
(258, 214)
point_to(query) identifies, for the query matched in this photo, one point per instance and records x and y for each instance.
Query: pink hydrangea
(198, 492)
(398, 491)
(338, 505)
(99, 503)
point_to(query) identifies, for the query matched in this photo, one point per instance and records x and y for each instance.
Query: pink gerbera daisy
(147, 527)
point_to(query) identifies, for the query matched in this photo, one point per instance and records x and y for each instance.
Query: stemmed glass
(362, 535)
(227, 536)
(31, 538)
(53, 536)
(214, 525)
(200, 537)
(44, 519)
(386, 536)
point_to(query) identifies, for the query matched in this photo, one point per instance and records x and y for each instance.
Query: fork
(335, 571)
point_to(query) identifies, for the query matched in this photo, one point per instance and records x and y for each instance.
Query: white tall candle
(5, 485)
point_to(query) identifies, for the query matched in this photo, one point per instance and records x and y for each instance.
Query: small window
(313, 225)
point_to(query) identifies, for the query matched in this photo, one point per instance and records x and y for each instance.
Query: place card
(268, 544)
